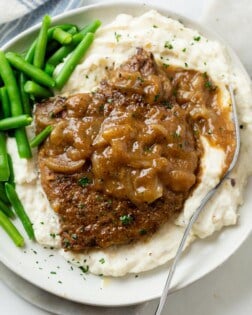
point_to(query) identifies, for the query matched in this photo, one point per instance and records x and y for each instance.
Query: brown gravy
(121, 161)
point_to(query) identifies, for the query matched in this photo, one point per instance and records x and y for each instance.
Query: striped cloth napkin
(18, 15)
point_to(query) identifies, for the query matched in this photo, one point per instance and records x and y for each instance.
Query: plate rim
(188, 22)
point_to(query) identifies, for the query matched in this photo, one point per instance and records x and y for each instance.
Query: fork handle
(192, 220)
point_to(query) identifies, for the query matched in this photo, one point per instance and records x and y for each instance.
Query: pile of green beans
(24, 79)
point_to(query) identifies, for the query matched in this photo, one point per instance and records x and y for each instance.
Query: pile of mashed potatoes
(113, 45)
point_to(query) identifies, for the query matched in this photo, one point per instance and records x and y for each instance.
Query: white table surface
(227, 290)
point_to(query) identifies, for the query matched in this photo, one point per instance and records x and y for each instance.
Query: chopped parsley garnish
(184, 49)
(186, 64)
(143, 232)
(166, 65)
(102, 261)
(66, 243)
(52, 115)
(195, 131)
(74, 236)
(154, 26)
(140, 79)
(126, 219)
(84, 181)
(84, 269)
(53, 235)
(147, 149)
(168, 45)
(175, 92)
(209, 85)
(156, 97)
(167, 104)
(197, 38)
(53, 273)
(117, 36)
(87, 76)
(101, 108)
(205, 75)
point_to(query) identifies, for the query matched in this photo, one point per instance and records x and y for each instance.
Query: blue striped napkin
(18, 15)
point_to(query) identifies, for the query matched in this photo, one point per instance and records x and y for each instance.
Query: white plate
(46, 269)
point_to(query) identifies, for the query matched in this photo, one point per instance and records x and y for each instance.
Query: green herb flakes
(197, 38)
(84, 269)
(126, 219)
(142, 232)
(118, 37)
(167, 104)
(102, 261)
(156, 97)
(168, 45)
(84, 181)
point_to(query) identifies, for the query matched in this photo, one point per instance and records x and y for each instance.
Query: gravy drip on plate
(122, 160)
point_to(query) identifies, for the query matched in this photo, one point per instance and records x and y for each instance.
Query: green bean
(36, 141)
(60, 54)
(19, 209)
(11, 85)
(37, 90)
(73, 60)
(11, 179)
(5, 102)
(4, 166)
(24, 149)
(64, 51)
(26, 104)
(91, 28)
(73, 30)
(29, 58)
(10, 82)
(35, 73)
(40, 50)
(49, 69)
(64, 27)
(30, 53)
(11, 230)
(62, 37)
(5, 208)
(15, 122)
(3, 196)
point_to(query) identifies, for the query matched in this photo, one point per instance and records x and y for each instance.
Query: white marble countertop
(227, 290)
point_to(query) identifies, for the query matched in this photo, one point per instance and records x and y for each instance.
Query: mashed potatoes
(113, 45)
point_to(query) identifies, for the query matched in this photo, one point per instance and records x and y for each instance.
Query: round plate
(48, 270)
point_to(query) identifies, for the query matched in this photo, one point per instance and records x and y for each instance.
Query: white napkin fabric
(18, 15)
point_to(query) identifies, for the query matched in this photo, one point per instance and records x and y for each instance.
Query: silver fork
(196, 214)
